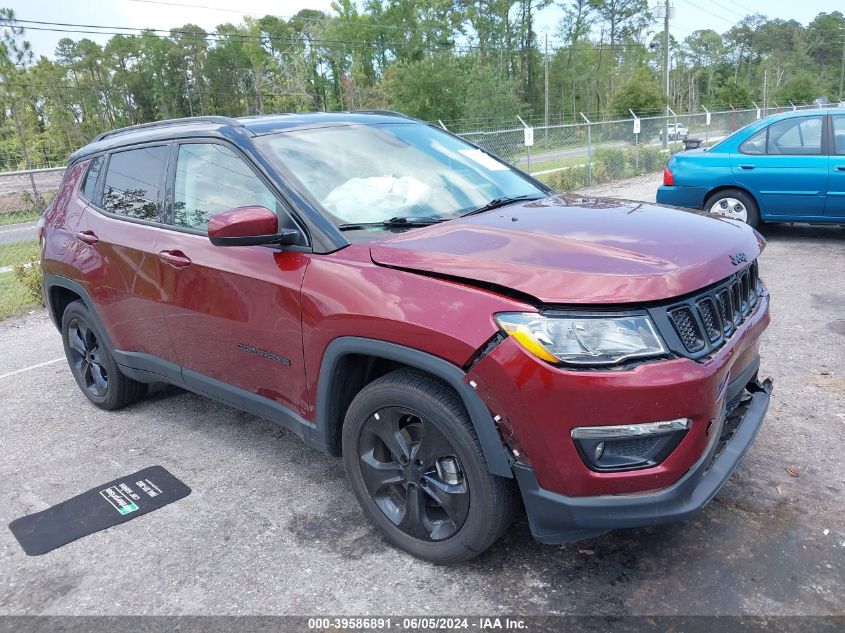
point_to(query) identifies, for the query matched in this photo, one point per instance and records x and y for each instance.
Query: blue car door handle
(840, 168)
(746, 166)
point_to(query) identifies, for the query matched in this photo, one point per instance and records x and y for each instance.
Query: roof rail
(222, 120)
(381, 111)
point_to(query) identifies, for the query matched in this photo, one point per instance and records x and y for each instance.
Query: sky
(689, 15)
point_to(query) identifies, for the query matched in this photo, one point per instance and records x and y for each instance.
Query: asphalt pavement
(11, 233)
(272, 527)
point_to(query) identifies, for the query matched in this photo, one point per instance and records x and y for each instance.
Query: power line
(715, 15)
(236, 11)
(102, 29)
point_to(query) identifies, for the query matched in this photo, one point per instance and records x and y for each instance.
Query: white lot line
(20, 371)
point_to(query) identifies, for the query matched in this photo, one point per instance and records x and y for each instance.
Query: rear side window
(839, 134)
(756, 144)
(90, 184)
(802, 136)
(133, 182)
(211, 178)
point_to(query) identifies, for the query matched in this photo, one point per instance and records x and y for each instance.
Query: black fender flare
(498, 460)
(51, 281)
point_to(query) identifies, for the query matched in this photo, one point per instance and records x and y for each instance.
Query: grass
(557, 163)
(18, 253)
(18, 216)
(14, 297)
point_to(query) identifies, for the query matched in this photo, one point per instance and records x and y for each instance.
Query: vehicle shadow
(787, 232)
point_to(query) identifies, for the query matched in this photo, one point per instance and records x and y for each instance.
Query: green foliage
(613, 161)
(640, 93)
(488, 92)
(652, 159)
(479, 61)
(29, 276)
(800, 88)
(570, 179)
(427, 88)
(733, 92)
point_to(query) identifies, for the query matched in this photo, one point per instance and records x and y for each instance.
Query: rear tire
(735, 204)
(92, 364)
(417, 469)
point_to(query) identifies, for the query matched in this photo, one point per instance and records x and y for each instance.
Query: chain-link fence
(574, 156)
(23, 197)
(569, 156)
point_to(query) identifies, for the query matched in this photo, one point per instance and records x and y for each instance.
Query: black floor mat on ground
(102, 507)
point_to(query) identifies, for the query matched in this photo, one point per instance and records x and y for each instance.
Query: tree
(624, 20)
(641, 93)
(489, 94)
(801, 88)
(427, 88)
(734, 93)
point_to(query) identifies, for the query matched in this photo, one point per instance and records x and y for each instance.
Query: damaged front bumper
(558, 518)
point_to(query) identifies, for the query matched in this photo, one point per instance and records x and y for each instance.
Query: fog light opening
(629, 446)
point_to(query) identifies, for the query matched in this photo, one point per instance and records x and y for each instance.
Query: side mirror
(248, 226)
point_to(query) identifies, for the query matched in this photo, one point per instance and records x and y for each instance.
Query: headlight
(583, 340)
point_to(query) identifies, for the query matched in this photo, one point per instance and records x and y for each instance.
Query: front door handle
(747, 166)
(840, 168)
(87, 236)
(177, 259)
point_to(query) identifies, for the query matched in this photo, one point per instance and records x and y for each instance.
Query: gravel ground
(640, 188)
(272, 528)
(45, 181)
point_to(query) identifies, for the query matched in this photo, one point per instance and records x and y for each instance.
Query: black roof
(234, 128)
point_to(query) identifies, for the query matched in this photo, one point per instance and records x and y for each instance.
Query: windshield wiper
(392, 223)
(495, 203)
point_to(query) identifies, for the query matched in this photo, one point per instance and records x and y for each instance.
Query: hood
(578, 250)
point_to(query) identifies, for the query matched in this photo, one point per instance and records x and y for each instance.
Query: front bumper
(557, 518)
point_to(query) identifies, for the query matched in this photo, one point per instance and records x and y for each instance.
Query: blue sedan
(785, 168)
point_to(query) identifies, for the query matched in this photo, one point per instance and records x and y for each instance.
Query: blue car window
(839, 134)
(798, 136)
(756, 144)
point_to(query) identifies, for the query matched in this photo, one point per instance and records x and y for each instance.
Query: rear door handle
(177, 259)
(87, 236)
(840, 168)
(746, 166)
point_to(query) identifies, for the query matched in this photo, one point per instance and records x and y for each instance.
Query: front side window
(798, 136)
(377, 173)
(211, 178)
(133, 182)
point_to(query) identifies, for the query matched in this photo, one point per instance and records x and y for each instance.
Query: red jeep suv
(470, 342)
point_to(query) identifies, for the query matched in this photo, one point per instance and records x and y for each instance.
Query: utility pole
(765, 89)
(666, 71)
(842, 70)
(546, 105)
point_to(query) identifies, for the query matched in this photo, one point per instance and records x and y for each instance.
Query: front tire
(416, 468)
(92, 364)
(735, 204)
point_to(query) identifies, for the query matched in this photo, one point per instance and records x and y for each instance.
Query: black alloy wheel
(416, 467)
(86, 358)
(91, 362)
(413, 474)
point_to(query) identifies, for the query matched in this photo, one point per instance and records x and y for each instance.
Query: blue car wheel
(735, 204)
